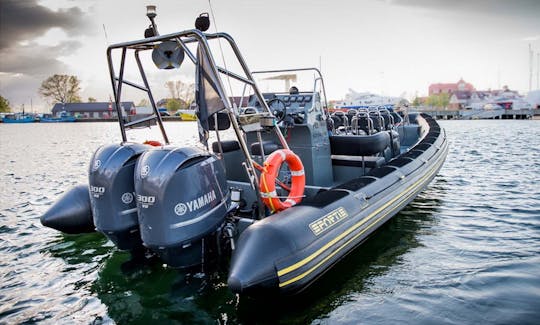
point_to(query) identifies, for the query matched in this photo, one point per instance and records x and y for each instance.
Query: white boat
(356, 100)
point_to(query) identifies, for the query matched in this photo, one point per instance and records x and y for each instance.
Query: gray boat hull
(286, 252)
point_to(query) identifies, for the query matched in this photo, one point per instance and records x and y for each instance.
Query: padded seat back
(227, 146)
(378, 123)
(365, 123)
(356, 145)
(387, 119)
(397, 118)
(223, 122)
(268, 147)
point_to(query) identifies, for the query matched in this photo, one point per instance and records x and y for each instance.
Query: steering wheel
(278, 112)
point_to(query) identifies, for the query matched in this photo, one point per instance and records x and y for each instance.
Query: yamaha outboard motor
(182, 199)
(112, 193)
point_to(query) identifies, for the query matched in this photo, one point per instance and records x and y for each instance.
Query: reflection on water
(467, 250)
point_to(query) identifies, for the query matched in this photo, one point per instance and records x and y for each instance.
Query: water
(466, 251)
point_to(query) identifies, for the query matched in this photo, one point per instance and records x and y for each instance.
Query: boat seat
(227, 146)
(222, 119)
(232, 158)
(362, 122)
(388, 120)
(397, 118)
(359, 145)
(378, 122)
(351, 113)
(339, 120)
(356, 161)
(268, 147)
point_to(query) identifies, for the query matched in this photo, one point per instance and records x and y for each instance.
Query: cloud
(25, 61)
(22, 22)
(532, 38)
(26, 20)
(522, 9)
(36, 60)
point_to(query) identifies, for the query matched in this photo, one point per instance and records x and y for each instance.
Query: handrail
(184, 38)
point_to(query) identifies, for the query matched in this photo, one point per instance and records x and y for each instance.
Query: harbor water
(465, 251)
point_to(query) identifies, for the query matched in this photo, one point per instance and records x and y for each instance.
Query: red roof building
(448, 88)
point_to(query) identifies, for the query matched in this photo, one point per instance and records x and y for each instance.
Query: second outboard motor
(182, 198)
(112, 193)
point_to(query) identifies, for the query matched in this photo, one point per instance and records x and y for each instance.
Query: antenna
(498, 77)
(105, 32)
(538, 70)
(530, 67)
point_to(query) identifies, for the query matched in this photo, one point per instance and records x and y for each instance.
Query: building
(449, 88)
(503, 98)
(91, 110)
(459, 99)
(533, 97)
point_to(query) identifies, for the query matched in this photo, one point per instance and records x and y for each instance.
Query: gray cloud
(525, 9)
(26, 20)
(36, 60)
(24, 63)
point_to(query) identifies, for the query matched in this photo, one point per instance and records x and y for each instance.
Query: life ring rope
(269, 179)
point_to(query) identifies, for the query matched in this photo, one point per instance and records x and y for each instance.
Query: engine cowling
(112, 193)
(182, 197)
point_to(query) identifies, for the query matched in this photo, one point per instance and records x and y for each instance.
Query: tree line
(61, 88)
(435, 100)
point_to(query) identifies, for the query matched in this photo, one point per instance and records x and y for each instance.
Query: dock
(522, 114)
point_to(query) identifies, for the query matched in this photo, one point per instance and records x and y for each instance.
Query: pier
(521, 114)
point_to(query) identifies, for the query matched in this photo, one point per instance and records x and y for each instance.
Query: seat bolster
(226, 145)
(268, 147)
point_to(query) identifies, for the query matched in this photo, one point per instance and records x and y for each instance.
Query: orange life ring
(268, 180)
(153, 143)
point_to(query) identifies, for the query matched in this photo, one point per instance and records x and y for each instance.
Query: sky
(390, 47)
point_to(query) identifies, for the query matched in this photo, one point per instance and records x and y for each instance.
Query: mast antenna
(105, 33)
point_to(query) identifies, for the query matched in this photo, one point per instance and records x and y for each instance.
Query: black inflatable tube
(71, 213)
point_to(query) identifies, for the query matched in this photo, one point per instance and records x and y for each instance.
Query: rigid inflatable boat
(286, 189)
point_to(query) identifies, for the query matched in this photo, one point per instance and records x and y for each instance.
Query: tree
(143, 103)
(91, 100)
(4, 105)
(173, 105)
(61, 88)
(444, 100)
(438, 100)
(183, 91)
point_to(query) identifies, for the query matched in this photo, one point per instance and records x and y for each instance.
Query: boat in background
(482, 111)
(367, 100)
(59, 119)
(186, 114)
(19, 118)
